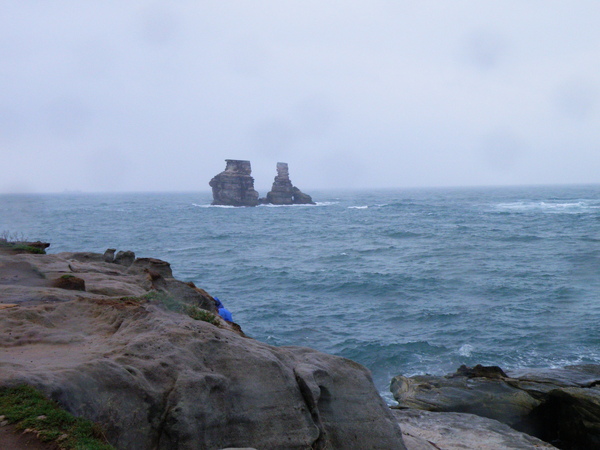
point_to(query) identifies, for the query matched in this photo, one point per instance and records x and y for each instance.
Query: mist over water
(402, 281)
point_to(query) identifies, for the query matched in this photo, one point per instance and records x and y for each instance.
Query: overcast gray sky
(153, 96)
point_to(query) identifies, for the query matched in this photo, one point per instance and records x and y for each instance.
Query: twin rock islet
(235, 187)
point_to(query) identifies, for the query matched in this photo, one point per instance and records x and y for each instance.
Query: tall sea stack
(283, 192)
(234, 186)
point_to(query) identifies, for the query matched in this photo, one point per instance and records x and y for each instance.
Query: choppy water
(406, 281)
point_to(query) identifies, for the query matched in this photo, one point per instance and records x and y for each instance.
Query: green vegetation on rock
(17, 243)
(201, 314)
(172, 304)
(27, 408)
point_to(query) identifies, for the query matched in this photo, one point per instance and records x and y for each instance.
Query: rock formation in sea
(283, 192)
(560, 406)
(235, 185)
(143, 355)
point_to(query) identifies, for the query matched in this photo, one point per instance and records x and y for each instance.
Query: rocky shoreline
(118, 340)
(560, 406)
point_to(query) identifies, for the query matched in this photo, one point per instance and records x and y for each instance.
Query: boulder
(492, 398)
(560, 406)
(109, 255)
(235, 185)
(69, 282)
(153, 264)
(125, 258)
(426, 430)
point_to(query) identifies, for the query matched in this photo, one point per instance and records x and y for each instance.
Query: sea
(405, 281)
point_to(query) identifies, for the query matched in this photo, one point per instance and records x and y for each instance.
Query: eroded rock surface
(235, 185)
(560, 406)
(426, 430)
(154, 378)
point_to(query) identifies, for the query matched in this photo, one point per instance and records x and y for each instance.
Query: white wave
(575, 206)
(465, 350)
(267, 205)
(326, 203)
(358, 207)
(213, 206)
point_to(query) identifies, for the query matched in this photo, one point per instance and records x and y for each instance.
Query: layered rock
(235, 185)
(283, 192)
(560, 406)
(156, 378)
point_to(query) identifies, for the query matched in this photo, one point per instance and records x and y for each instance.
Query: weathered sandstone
(154, 378)
(426, 430)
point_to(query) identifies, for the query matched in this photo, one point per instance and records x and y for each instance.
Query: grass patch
(26, 407)
(201, 314)
(155, 296)
(169, 302)
(172, 304)
(18, 243)
(27, 249)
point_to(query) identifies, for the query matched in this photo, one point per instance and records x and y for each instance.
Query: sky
(108, 96)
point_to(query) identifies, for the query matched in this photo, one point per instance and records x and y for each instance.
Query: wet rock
(235, 185)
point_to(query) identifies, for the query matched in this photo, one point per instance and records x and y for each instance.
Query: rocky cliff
(235, 185)
(283, 192)
(140, 353)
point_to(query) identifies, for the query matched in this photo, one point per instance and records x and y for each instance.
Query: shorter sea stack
(234, 186)
(283, 193)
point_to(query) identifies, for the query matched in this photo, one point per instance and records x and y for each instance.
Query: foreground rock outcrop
(154, 378)
(283, 192)
(235, 185)
(560, 406)
(426, 430)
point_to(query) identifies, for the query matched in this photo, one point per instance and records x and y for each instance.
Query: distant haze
(154, 96)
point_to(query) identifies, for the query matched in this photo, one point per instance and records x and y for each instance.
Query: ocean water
(403, 281)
